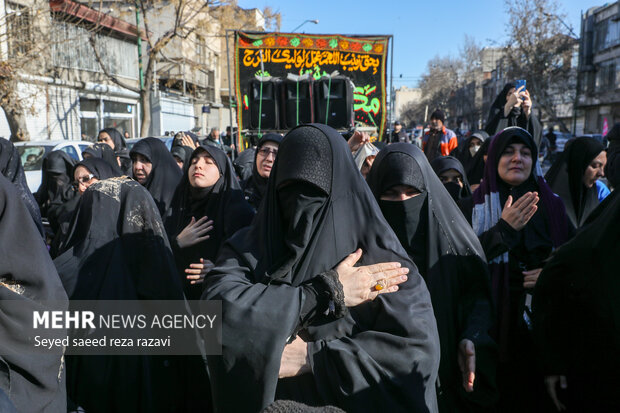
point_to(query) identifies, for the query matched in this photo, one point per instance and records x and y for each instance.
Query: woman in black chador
(264, 157)
(467, 154)
(155, 168)
(452, 175)
(117, 249)
(28, 279)
(105, 152)
(11, 167)
(450, 258)
(513, 108)
(56, 185)
(519, 221)
(208, 208)
(573, 177)
(577, 312)
(289, 278)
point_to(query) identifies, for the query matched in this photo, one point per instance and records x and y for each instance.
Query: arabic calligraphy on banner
(361, 59)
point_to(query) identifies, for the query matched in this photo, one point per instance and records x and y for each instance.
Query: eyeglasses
(84, 180)
(266, 151)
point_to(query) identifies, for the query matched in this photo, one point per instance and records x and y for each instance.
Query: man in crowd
(398, 134)
(439, 140)
(213, 139)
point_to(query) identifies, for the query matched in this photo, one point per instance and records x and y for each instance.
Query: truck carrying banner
(361, 59)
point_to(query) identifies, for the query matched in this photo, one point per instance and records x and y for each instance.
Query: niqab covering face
(446, 163)
(565, 178)
(449, 256)
(382, 355)
(11, 167)
(165, 173)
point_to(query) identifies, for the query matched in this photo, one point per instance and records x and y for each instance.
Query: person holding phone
(513, 107)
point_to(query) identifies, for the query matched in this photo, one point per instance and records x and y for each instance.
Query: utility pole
(140, 70)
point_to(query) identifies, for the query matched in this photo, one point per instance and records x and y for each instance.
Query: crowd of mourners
(353, 276)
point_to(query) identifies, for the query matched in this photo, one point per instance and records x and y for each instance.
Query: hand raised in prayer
(195, 232)
(530, 277)
(467, 364)
(187, 141)
(359, 283)
(517, 215)
(358, 139)
(551, 383)
(294, 359)
(198, 271)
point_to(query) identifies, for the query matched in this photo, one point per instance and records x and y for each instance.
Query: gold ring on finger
(381, 284)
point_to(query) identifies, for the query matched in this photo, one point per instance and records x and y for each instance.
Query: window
(70, 150)
(19, 28)
(606, 76)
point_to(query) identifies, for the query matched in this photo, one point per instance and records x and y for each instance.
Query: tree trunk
(17, 120)
(145, 97)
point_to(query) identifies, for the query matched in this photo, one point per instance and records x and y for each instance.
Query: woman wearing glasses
(264, 157)
(91, 170)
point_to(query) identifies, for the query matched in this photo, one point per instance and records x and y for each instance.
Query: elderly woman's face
(515, 164)
(595, 170)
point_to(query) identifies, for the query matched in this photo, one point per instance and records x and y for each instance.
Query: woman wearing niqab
(457, 190)
(56, 187)
(577, 311)
(499, 120)
(222, 203)
(449, 256)
(32, 382)
(11, 167)
(120, 147)
(379, 355)
(519, 222)
(117, 249)
(165, 174)
(566, 178)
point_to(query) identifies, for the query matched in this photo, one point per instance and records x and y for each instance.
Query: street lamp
(306, 21)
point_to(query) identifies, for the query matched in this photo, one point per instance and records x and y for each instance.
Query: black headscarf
(497, 122)
(447, 251)
(117, 138)
(165, 174)
(565, 178)
(445, 163)
(317, 210)
(223, 203)
(256, 186)
(184, 153)
(99, 168)
(473, 165)
(117, 249)
(56, 187)
(103, 151)
(11, 167)
(28, 277)
(576, 309)
(243, 164)
(120, 149)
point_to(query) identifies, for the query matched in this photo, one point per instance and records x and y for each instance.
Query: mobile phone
(520, 83)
